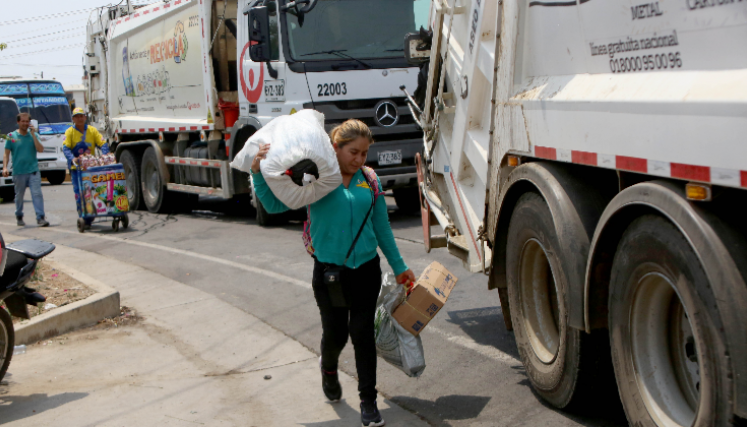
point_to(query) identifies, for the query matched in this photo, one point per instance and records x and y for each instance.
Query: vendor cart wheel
(81, 225)
(125, 221)
(115, 224)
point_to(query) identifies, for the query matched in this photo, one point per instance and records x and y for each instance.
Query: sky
(46, 36)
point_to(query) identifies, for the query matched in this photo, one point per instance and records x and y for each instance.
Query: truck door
(263, 86)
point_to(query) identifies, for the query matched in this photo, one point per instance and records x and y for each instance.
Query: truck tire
(131, 163)
(7, 341)
(8, 193)
(407, 199)
(550, 349)
(670, 361)
(157, 199)
(56, 177)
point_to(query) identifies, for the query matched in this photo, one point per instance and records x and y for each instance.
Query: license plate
(390, 157)
(43, 165)
(274, 90)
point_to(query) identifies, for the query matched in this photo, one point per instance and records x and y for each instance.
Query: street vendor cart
(103, 195)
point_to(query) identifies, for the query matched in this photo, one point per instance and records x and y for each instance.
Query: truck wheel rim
(131, 180)
(539, 301)
(665, 355)
(152, 182)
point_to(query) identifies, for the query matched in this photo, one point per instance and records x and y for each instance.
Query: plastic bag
(394, 344)
(294, 138)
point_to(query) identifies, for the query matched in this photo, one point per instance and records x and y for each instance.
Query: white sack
(294, 138)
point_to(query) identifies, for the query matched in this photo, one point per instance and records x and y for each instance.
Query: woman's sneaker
(330, 384)
(370, 416)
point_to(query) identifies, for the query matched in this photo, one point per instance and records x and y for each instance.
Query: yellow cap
(78, 111)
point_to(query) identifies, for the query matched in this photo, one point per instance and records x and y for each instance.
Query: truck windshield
(362, 29)
(44, 101)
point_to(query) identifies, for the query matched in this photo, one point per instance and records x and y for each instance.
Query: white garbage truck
(179, 86)
(590, 157)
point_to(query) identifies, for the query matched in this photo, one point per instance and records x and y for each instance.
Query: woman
(335, 220)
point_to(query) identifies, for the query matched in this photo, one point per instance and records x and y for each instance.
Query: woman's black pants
(361, 289)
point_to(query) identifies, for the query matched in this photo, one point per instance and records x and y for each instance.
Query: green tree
(3, 46)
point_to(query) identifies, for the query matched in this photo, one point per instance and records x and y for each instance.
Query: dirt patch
(59, 289)
(127, 316)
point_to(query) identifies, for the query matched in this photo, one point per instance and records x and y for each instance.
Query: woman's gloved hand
(407, 278)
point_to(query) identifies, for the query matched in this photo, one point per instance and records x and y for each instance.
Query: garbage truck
(589, 158)
(178, 87)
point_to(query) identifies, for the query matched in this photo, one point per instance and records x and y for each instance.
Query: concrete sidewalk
(192, 360)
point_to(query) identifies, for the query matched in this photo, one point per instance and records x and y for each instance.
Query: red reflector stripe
(183, 128)
(546, 153)
(744, 178)
(172, 129)
(631, 164)
(697, 173)
(584, 158)
(193, 128)
(151, 130)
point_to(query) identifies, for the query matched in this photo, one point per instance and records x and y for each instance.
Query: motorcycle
(18, 262)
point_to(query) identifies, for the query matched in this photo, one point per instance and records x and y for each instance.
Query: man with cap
(23, 146)
(81, 139)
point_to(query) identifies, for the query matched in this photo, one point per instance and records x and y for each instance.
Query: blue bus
(46, 102)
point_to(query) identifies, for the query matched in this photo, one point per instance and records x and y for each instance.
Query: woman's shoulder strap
(373, 180)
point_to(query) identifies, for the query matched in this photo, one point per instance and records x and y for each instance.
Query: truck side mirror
(259, 34)
(418, 47)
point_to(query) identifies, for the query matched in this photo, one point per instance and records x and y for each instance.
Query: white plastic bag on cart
(394, 344)
(294, 138)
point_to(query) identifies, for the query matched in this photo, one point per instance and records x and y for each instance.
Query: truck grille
(336, 112)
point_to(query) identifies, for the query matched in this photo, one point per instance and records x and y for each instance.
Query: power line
(64, 24)
(59, 15)
(41, 18)
(42, 35)
(71, 46)
(69, 36)
(15, 64)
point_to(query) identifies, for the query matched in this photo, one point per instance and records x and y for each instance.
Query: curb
(104, 303)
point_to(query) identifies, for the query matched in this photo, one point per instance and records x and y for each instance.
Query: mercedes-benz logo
(385, 113)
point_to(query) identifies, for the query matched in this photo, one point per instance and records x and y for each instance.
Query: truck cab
(344, 59)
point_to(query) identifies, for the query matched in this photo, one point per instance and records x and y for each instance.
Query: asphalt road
(473, 377)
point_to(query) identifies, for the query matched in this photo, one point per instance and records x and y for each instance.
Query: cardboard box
(427, 298)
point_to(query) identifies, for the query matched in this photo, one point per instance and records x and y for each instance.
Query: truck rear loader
(590, 158)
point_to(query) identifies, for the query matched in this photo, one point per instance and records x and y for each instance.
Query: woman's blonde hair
(350, 130)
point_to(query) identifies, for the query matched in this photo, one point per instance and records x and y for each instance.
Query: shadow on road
(19, 407)
(453, 407)
(480, 325)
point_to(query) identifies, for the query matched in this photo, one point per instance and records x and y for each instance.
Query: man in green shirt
(23, 146)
